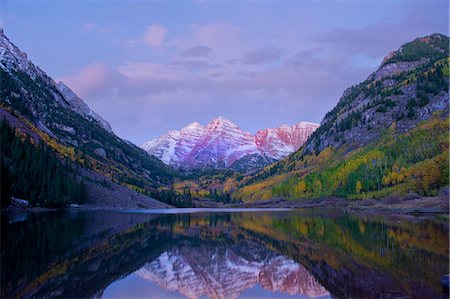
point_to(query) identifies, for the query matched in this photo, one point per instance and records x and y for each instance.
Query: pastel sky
(151, 66)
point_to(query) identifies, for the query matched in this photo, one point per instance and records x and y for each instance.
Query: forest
(33, 171)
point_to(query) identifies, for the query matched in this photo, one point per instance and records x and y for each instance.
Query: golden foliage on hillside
(413, 161)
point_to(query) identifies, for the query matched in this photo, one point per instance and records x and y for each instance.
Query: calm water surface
(257, 254)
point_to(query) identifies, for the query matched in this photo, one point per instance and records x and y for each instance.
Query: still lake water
(259, 254)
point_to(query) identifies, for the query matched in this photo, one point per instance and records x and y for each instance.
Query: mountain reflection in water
(309, 254)
(225, 272)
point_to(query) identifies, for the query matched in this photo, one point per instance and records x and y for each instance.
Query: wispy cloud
(217, 40)
(95, 79)
(197, 51)
(196, 64)
(154, 35)
(263, 55)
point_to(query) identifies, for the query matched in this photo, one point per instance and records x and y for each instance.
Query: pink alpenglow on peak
(222, 144)
(280, 142)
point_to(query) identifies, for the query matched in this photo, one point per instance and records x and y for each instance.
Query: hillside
(388, 134)
(50, 113)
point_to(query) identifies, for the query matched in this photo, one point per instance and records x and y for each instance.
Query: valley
(387, 136)
(224, 149)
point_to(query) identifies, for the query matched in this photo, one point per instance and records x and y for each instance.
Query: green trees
(431, 82)
(173, 198)
(436, 47)
(33, 172)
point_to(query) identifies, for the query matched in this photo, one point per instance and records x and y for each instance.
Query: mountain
(53, 115)
(173, 146)
(279, 142)
(13, 60)
(77, 105)
(222, 144)
(386, 135)
(408, 87)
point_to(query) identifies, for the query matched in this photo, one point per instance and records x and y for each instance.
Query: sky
(148, 67)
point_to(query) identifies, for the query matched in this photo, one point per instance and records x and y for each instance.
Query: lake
(315, 253)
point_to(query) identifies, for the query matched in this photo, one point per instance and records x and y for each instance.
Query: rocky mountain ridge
(222, 144)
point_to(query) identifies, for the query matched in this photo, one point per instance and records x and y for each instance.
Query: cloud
(215, 34)
(199, 89)
(374, 40)
(92, 80)
(198, 70)
(97, 28)
(147, 70)
(218, 72)
(217, 40)
(378, 39)
(197, 51)
(196, 64)
(154, 35)
(262, 55)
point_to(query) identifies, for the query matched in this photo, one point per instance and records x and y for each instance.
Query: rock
(79, 106)
(396, 68)
(100, 152)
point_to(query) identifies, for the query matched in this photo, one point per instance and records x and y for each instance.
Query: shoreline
(409, 205)
(423, 207)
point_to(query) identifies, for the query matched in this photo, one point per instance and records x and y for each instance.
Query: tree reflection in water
(220, 255)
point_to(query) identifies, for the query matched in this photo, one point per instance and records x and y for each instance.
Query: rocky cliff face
(222, 272)
(222, 144)
(279, 142)
(79, 106)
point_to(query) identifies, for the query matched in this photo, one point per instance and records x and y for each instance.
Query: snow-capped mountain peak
(193, 126)
(222, 144)
(173, 147)
(222, 122)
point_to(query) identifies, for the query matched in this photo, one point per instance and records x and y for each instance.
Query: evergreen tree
(33, 172)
